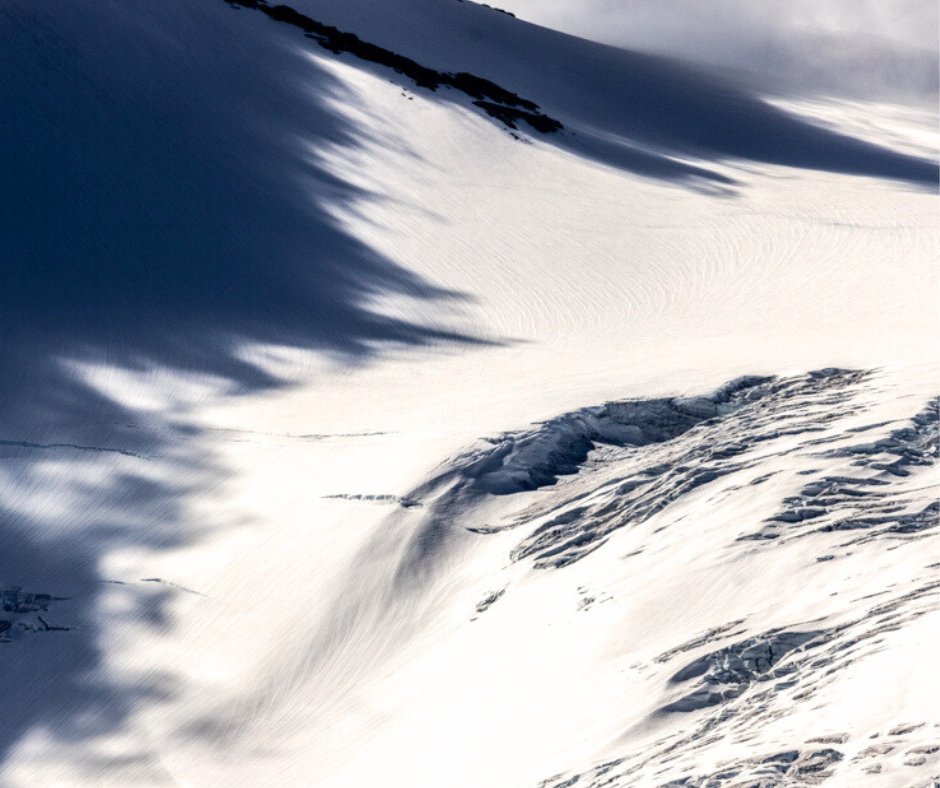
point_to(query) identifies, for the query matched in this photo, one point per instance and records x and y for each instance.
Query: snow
(258, 295)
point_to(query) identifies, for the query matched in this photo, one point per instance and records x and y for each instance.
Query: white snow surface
(395, 534)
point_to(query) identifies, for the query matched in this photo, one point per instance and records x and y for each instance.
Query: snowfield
(415, 396)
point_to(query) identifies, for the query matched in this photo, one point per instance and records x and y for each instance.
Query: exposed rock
(489, 599)
(495, 100)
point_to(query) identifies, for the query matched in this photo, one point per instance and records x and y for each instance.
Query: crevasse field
(406, 394)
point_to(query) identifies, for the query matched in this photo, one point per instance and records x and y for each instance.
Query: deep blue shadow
(158, 169)
(162, 204)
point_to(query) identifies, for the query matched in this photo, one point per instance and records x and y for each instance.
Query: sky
(880, 49)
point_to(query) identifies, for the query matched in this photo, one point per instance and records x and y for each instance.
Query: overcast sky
(877, 48)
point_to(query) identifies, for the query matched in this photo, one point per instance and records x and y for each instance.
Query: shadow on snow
(157, 164)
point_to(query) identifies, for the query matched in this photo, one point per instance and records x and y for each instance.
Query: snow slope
(275, 319)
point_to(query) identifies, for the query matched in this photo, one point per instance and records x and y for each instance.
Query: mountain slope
(633, 110)
(262, 301)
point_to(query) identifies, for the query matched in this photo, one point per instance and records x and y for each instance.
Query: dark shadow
(162, 204)
(157, 198)
(52, 662)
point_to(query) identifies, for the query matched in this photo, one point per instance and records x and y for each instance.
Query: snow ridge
(495, 101)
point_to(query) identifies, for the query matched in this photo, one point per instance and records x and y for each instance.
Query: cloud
(859, 48)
